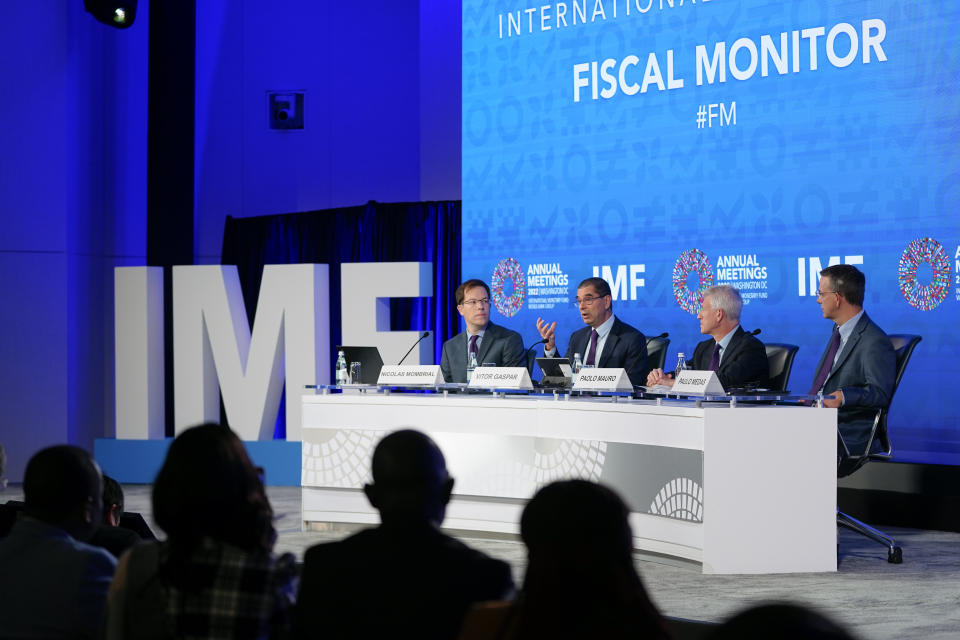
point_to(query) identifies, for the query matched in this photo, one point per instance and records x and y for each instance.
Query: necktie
(715, 360)
(473, 344)
(827, 362)
(592, 354)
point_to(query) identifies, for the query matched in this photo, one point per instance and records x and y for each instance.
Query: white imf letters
(215, 352)
(816, 266)
(618, 280)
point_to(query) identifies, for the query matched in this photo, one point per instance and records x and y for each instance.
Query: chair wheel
(895, 556)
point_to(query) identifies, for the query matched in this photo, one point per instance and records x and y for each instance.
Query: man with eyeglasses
(488, 341)
(606, 341)
(858, 366)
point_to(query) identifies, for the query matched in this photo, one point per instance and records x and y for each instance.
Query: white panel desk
(750, 489)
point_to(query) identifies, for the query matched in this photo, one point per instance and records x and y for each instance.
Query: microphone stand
(422, 336)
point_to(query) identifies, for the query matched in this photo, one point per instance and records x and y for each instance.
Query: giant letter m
(215, 352)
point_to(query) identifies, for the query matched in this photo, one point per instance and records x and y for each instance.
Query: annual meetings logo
(508, 271)
(925, 297)
(691, 261)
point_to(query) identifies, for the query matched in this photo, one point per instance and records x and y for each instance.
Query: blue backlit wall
(73, 201)
(367, 110)
(670, 145)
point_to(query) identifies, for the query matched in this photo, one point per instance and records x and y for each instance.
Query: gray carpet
(876, 600)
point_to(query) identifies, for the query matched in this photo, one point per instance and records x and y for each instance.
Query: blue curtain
(375, 232)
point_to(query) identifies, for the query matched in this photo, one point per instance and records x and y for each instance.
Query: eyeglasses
(482, 301)
(588, 300)
(820, 294)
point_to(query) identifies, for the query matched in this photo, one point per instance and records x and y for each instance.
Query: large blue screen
(667, 146)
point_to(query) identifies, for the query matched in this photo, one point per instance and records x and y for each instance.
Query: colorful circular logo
(691, 261)
(924, 296)
(508, 270)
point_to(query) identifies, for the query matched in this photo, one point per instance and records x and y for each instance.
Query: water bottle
(471, 366)
(342, 373)
(681, 364)
(577, 365)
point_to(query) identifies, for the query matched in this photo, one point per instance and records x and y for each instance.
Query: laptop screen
(369, 359)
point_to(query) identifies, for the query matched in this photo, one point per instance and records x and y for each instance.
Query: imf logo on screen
(508, 287)
(693, 264)
(924, 260)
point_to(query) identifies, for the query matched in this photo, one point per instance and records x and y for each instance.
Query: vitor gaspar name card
(500, 378)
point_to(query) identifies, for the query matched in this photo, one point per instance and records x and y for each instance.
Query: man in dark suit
(489, 342)
(110, 535)
(738, 358)
(52, 584)
(605, 341)
(859, 364)
(405, 578)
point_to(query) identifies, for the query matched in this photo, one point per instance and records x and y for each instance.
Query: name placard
(603, 380)
(500, 378)
(698, 383)
(427, 375)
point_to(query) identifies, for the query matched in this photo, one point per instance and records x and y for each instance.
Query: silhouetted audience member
(780, 621)
(110, 535)
(52, 584)
(8, 512)
(580, 580)
(112, 501)
(214, 576)
(3, 467)
(404, 578)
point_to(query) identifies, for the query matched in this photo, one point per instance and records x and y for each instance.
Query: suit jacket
(394, 582)
(744, 360)
(625, 347)
(51, 585)
(499, 345)
(116, 540)
(865, 372)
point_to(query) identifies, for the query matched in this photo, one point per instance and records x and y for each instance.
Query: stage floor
(875, 599)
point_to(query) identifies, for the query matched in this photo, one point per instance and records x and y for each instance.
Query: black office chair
(779, 363)
(656, 354)
(903, 344)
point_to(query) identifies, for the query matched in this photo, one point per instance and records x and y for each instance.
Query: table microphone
(422, 336)
(662, 335)
(755, 332)
(532, 347)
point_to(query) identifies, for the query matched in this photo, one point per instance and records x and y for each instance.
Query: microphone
(532, 347)
(526, 354)
(662, 335)
(422, 336)
(755, 332)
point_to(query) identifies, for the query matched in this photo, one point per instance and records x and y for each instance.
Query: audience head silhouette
(62, 486)
(410, 479)
(112, 501)
(580, 579)
(782, 621)
(208, 487)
